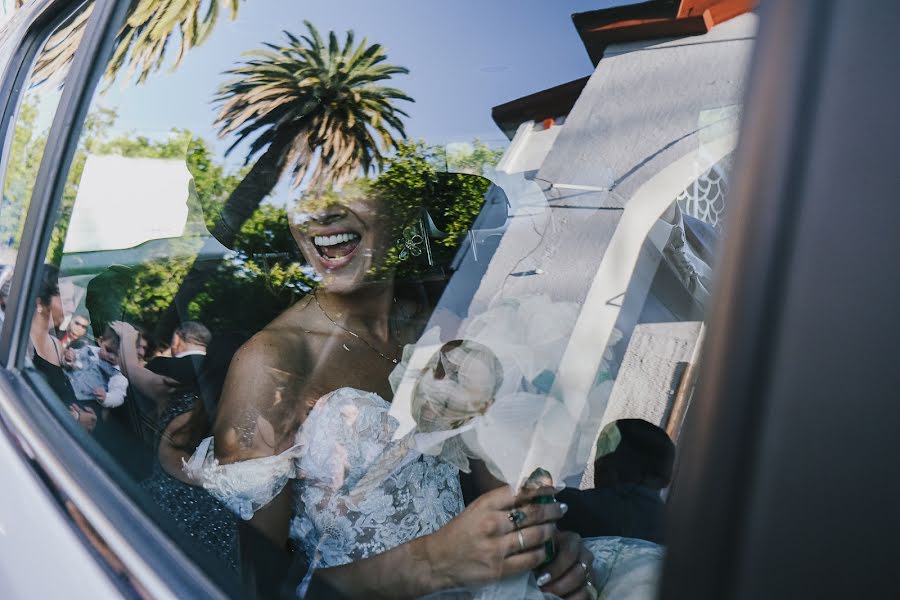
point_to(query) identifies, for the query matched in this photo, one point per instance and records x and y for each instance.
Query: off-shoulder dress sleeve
(244, 486)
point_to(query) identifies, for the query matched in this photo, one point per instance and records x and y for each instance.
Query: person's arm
(156, 387)
(86, 417)
(259, 412)
(116, 389)
(45, 345)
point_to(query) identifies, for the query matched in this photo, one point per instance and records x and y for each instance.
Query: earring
(410, 243)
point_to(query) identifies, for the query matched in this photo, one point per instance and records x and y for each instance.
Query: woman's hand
(484, 544)
(86, 417)
(570, 574)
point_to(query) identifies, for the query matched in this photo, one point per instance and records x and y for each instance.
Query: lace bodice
(340, 514)
(348, 505)
(338, 518)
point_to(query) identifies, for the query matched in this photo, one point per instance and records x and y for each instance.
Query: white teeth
(333, 240)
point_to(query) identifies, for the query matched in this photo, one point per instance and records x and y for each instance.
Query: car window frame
(137, 553)
(41, 21)
(706, 519)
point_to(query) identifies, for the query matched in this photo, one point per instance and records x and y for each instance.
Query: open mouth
(336, 246)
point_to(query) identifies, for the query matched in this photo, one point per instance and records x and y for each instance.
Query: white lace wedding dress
(341, 516)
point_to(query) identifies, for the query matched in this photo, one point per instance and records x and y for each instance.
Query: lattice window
(704, 199)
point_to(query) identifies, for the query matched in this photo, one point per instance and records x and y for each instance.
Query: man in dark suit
(189, 343)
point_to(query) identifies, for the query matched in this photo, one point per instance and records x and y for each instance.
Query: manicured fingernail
(563, 507)
(543, 579)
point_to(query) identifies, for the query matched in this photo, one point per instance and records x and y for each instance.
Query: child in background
(95, 375)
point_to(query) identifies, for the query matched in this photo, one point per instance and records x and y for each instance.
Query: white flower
(337, 540)
(378, 506)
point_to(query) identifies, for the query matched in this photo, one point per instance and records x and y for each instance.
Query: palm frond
(326, 92)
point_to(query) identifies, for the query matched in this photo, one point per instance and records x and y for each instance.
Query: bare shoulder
(278, 345)
(259, 407)
(269, 347)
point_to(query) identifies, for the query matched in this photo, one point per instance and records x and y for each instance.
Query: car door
(800, 394)
(63, 515)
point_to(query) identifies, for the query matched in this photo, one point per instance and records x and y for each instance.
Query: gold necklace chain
(341, 327)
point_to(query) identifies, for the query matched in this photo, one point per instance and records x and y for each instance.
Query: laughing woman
(304, 415)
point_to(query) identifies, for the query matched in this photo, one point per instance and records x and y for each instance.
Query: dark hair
(49, 286)
(153, 344)
(193, 332)
(645, 455)
(110, 336)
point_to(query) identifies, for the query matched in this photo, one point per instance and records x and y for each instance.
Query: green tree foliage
(266, 272)
(245, 291)
(260, 272)
(468, 158)
(421, 194)
(25, 154)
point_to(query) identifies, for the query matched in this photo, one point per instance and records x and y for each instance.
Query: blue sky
(465, 57)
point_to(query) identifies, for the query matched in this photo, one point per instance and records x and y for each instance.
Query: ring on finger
(584, 568)
(521, 537)
(516, 517)
(592, 592)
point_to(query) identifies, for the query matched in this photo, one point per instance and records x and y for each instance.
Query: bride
(304, 416)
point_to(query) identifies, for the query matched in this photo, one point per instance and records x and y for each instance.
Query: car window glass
(330, 283)
(28, 136)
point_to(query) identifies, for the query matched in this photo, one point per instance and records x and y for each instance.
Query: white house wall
(645, 106)
(651, 118)
(641, 108)
(529, 148)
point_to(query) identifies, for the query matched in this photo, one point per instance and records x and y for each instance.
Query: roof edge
(547, 104)
(653, 20)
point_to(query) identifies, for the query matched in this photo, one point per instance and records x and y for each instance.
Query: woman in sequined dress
(184, 420)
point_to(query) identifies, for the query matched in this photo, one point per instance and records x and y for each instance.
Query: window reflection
(22, 157)
(344, 347)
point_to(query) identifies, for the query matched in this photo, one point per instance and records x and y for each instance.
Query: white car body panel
(41, 554)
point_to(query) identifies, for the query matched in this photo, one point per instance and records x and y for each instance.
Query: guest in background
(95, 375)
(77, 330)
(47, 358)
(184, 419)
(633, 466)
(189, 344)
